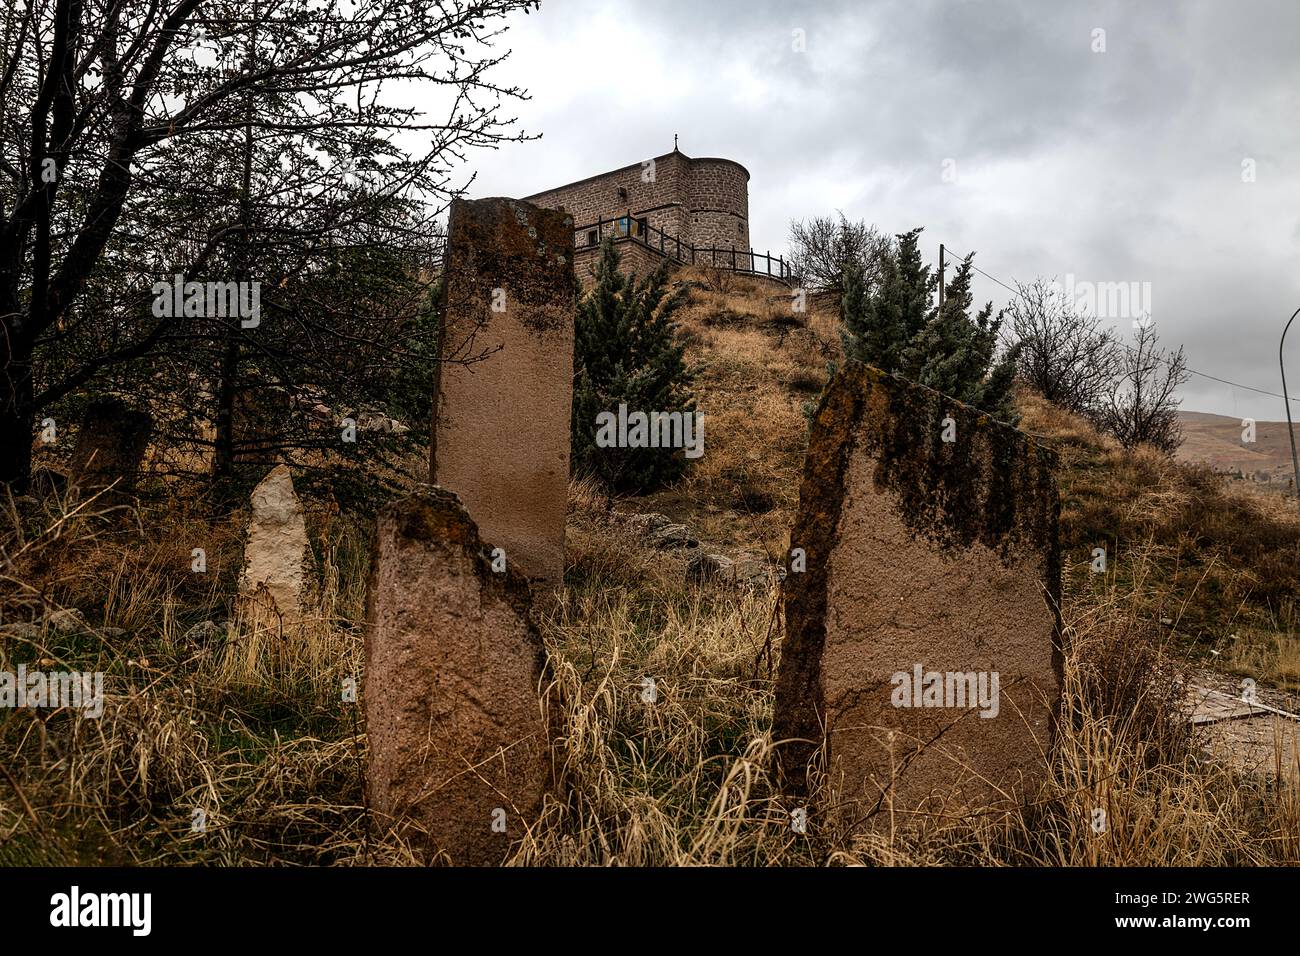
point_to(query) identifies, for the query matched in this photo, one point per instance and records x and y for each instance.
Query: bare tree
(822, 247)
(1065, 355)
(98, 101)
(1142, 409)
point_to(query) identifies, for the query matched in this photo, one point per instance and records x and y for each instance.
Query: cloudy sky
(1129, 164)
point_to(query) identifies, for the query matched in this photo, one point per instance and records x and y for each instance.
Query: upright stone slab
(110, 446)
(501, 426)
(458, 750)
(275, 579)
(925, 556)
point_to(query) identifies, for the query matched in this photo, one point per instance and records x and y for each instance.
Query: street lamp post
(1286, 400)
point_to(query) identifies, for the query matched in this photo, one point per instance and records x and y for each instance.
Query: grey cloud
(1118, 166)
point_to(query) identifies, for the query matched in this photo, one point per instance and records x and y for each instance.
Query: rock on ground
(924, 557)
(459, 754)
(275, 578)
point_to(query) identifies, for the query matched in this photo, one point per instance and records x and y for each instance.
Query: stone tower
(673, 201)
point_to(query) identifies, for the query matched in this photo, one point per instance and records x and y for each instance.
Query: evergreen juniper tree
(895, 327)
(878, 323)
(625, 352)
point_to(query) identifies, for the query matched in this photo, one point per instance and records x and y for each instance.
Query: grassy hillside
(1221, 562)
(1216, 440)
(1220, 559)
(256, 736)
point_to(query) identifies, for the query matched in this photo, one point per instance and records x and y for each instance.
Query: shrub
(626, 353)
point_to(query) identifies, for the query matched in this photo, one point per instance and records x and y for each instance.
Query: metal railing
(651, 237)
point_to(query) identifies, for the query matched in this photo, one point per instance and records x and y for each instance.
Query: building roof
(637, 165)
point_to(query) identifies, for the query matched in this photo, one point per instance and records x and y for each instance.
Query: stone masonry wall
(636, 260)
(719, 204)
(701, 201)
(662, 201)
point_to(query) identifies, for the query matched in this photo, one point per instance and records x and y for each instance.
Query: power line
(1188, 369)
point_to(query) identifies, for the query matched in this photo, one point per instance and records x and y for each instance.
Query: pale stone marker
(275, 579)
(458, 749)
(505, 390)
(110, 445)
(925, 557)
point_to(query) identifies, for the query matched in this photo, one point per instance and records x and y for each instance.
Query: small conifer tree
(625, 353)
(896, 328)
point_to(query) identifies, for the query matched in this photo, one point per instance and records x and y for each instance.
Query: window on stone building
(622, 192)
(591, 237)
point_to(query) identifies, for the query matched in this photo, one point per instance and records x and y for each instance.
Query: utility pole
(1286, 400)
(941, 275)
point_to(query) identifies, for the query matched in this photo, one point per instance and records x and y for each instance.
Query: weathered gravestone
(922, 641)
(110, 446)
(501, 424)
(275, 580)
(458, 749)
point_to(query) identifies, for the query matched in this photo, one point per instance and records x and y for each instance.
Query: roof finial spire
(674, 142)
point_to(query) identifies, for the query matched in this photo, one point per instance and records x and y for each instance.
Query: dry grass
(247, 735)
(254, 733)
(259, 741)
(757, 364)
(686, 780)
(1227, 561)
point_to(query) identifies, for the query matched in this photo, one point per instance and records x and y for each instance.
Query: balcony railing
(639, 230)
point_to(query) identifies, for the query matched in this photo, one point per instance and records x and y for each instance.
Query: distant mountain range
(1216, 440)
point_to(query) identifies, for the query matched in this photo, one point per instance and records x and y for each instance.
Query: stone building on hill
(694, 211)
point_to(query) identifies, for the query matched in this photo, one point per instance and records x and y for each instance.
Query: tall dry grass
(1228, 561)
(232, 751)
(250, 734)
(686, 780)
(256, 742)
